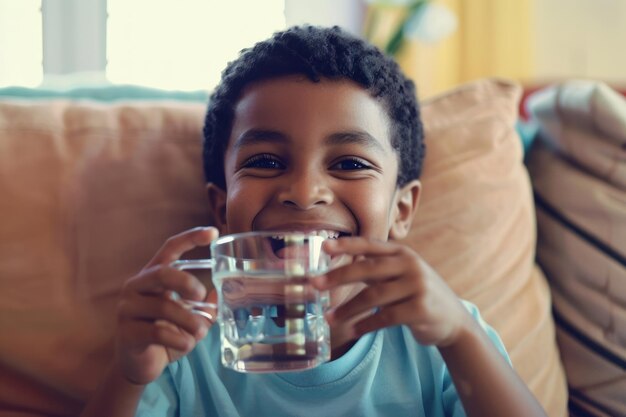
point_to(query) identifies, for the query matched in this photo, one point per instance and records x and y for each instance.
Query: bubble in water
(228, 355)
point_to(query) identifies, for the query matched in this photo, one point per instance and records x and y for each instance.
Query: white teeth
(326, 234)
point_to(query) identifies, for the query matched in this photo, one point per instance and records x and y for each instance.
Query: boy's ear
(406, 202)
(217, 205)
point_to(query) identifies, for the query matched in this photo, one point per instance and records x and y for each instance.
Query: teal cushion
(104, 93)
(527, 131)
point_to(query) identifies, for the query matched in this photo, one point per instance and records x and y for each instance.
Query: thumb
(177, 245)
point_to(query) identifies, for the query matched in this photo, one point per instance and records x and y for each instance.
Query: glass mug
(271, 318)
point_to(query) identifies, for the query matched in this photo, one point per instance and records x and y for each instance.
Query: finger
(177, 245)
(212, 296)
(370, 269)
(373, 297)
(139, 335)
(392, 315)
(360, 246)
(148, 308)
(159, 279)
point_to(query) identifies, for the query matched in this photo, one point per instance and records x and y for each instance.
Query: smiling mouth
(282, 240)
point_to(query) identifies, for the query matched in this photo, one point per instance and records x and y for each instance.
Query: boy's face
(311, 156)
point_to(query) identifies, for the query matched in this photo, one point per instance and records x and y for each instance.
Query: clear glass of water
(271, 318)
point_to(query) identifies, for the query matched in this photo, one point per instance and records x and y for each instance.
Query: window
(165, 44)
(183, 44)
(20, 43)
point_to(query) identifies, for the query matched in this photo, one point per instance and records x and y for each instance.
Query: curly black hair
(317, 52)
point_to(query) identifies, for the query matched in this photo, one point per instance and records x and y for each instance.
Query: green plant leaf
(397, 39)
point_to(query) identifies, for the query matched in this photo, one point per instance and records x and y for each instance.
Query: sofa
(91, 187)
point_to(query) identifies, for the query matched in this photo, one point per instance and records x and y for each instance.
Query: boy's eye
(264, 161)
(351, 164)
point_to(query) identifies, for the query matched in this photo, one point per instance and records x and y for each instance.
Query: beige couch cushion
(93, 190)
(88, 193)
(476, 226)
(578, 167)
(586, 122)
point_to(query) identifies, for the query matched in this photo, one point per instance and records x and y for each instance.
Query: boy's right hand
(153, 329)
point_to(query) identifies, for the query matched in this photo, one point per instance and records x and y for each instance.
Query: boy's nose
(305, 191)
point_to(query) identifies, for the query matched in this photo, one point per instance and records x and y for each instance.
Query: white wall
(590, 41)
(348, 14)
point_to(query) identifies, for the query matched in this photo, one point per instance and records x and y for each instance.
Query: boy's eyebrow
(253, 136)
(357, 137)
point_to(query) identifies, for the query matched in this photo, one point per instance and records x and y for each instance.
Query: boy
(314, 129)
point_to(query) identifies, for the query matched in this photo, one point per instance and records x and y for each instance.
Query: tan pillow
(88, 193)
(476, 226)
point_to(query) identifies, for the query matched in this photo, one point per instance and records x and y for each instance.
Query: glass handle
(183, 264)
(201, 310)
(197, 307)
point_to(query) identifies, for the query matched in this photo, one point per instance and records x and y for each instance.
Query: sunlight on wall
(493, 39)
(20, 61)
(184, 44)
(587, 43)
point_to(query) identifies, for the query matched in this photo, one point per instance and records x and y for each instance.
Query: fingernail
(320, 281)
(202, 332)
(329, 244)
(330, 316)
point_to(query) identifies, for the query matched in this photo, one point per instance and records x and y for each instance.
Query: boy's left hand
(400, 289)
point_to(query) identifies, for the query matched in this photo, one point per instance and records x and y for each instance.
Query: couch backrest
(89, 191)
(87, 194)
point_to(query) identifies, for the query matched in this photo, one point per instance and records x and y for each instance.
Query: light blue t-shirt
(386, 373)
